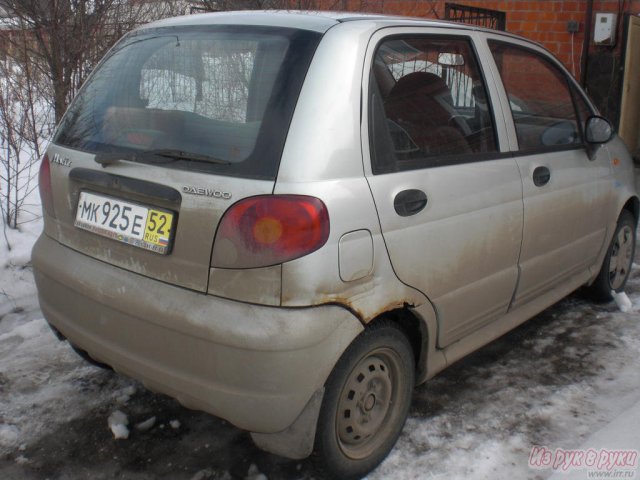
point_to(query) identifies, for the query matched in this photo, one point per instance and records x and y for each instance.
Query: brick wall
(544, 21)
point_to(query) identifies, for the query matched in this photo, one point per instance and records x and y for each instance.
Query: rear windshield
(217, 99)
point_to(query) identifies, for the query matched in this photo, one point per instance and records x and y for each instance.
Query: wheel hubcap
(620, 260)
(370, 402)
(365, 405)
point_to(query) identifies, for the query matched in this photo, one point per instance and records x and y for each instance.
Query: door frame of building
(629, 125)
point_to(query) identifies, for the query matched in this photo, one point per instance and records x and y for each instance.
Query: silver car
(288, 220)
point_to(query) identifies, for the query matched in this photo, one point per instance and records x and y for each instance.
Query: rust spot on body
(356, 307)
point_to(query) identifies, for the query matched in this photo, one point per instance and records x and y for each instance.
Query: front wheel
(367, 399)
(618, 260)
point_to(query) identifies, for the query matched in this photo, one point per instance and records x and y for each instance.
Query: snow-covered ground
(568, 379)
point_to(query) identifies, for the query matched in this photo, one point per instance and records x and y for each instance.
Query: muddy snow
(567, 379)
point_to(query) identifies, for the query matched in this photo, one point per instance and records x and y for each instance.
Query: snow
(8, 435)
(621, 433)
(254, 473)
(39, 376)
(16, 279)
(146, 425)
(118, 422)
(125, 394)
(567, 379)
(575, 371)
(623, 302)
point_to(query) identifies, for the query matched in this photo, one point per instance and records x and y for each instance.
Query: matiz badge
(58, 159)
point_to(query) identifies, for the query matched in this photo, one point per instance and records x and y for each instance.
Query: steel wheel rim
(621, 257)
(366, 404)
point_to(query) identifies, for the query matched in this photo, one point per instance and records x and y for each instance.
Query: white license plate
(126, 222)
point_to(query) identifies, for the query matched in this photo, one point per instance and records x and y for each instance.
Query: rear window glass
(216, 99)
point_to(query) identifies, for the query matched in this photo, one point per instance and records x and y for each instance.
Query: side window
(540, 99)
(428, 104)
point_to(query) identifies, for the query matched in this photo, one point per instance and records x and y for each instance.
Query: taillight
(44, 183)
(270, 229)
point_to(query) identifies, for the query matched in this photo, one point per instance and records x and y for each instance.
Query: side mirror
(598, 130)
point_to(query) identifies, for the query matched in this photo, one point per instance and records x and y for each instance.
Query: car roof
(317, 21)
(301, 19)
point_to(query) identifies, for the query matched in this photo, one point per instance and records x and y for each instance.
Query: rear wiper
(109, 158)
(190, 156)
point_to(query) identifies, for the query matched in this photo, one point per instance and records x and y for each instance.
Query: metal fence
(476, 16)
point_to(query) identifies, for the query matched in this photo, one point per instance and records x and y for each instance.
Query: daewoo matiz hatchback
(290, 219)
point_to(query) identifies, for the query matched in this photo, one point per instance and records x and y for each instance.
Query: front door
(566, 185)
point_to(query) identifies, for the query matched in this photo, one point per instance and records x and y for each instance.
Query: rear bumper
(255, 366)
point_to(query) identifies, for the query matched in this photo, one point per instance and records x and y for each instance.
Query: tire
(366, 402)
(617, 263)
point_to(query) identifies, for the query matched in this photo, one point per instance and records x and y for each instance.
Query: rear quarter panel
(323, 157)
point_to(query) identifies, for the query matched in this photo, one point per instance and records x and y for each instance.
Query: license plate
(126, 222)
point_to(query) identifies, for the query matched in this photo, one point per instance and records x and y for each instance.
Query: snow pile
(146, 425)
(8, 435)
(623, 302)
(118, 422)
(123, 395)
(16, 279)
(254, 473)
(209, 474)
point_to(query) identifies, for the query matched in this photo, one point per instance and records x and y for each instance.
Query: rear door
(449, 202)
(566, 184)
(177, 124)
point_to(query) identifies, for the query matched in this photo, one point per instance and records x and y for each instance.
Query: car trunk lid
(193, 206)
(175, 125)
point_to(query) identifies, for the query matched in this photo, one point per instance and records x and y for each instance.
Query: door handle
(409, 202)
(541, 176)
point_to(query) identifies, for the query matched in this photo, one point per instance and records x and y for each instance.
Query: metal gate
(482, 17)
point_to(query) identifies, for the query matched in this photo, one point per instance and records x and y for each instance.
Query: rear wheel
(367, 399)
(618, 260)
